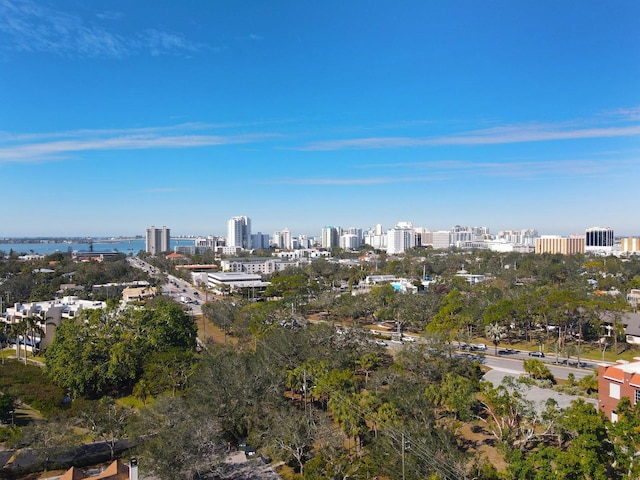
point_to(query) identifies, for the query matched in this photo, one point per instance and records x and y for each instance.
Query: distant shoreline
(68, 240)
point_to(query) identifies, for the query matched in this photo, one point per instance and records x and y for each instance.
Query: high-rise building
(400, 238)
(563, 245)
(518, 237)
(260, 241)
(282, 239)
(630, 245)
(330, 237)
(598, 239)
(239, 232)
(441, 239)
(158, 240)
(375, 237)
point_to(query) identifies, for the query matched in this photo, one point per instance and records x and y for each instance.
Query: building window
(614, 390)
(637, 396)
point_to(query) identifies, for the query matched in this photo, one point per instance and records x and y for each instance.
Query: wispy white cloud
(488, 136)
(24, 148)
(29, 27)
(436, 171)
(631, 114)
(514, 167)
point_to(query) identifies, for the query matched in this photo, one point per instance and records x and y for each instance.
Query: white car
(409, 339)
(381, 343)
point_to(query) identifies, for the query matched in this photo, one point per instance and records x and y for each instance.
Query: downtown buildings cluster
(396, 240)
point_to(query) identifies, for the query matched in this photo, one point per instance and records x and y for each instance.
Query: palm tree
(32, 328)
(5, 328)
(17, 329)
(495, 332)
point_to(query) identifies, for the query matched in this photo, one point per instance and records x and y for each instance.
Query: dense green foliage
(334, 405)
(101, 352)
(31, 385)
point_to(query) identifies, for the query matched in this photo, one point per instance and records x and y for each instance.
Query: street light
(12, 418)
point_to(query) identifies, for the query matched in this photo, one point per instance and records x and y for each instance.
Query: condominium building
(50, 315)
(330, 237)
(282, 239)
(158, 240)
(239, 232)
(518, 237)
(557, 244)
(375, 237)
(400, 238)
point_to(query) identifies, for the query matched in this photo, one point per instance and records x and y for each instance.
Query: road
(514, 366)
(512, 362)
(174, 287)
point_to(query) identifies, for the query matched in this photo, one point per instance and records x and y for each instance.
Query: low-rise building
(50, 314)
(137, 294)
(615, 382)
(226, 282)
(115, 471)
(260, 265)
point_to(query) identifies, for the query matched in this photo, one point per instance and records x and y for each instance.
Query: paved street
(514, 365)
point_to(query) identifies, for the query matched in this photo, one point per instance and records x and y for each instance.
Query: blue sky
(118, 115)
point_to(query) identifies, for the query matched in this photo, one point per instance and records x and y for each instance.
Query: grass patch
(30, 384)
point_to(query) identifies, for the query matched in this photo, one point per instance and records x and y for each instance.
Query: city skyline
(502, 114)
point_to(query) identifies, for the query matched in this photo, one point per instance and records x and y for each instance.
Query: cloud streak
(28, 27)
(422, 172)
(489, 136)
(29, 147)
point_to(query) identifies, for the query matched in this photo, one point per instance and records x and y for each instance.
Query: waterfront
(49, 246)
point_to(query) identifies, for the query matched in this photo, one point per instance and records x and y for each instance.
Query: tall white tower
(239, 232)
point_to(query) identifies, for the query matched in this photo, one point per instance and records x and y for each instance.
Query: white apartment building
(518, 237)
(330, 237)
(282, 239)
(263, 266)
(50, 314)
(239, 232)
(349, 241)
(400, 238)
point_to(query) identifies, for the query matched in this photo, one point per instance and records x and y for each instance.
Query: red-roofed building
(616, 382)
(116, 471)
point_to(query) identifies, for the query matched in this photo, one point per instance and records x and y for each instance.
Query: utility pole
(403, 443)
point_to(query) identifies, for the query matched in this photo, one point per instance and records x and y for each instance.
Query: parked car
(536, 354)
(381, 343)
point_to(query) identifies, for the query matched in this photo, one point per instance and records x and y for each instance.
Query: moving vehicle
(536, 354)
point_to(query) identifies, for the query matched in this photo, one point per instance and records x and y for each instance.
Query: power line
(418, 449)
